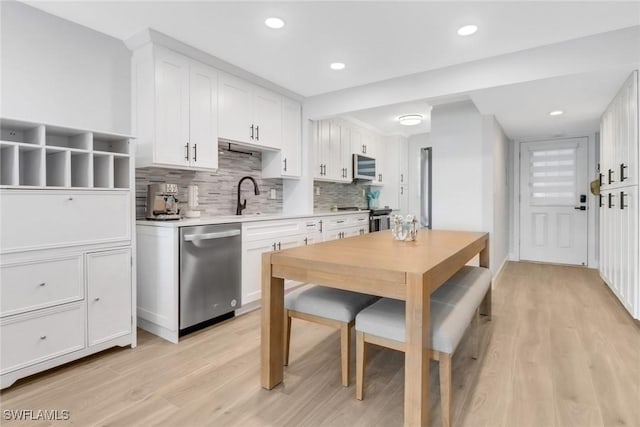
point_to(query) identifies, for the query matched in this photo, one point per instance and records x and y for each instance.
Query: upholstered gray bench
(327, 306)
(453, 307)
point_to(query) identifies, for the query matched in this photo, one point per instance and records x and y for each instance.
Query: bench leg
(485, 306)
(445, 388)
(360, 361)
(345, 350)
(476, 334)
(287, 336)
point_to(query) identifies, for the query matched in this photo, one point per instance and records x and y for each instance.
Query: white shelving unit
(67, 263)
(42, 156)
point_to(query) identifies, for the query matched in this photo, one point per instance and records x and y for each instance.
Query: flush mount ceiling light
(556, 113)
(337, 66)
(467, 30)
(410, 119)
(274, 22)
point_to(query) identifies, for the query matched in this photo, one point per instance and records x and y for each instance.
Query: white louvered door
(553, 201)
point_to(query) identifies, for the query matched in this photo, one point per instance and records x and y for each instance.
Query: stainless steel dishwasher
(210, 272)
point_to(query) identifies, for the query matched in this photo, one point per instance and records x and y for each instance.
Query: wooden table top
(379, 257)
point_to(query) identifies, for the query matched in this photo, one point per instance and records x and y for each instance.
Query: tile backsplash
(333, 194)
(217, 190)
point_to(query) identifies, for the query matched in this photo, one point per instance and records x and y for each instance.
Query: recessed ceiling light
(274, 22)
(467, 30)
(337, 65)
(410, 119)
(556, 113)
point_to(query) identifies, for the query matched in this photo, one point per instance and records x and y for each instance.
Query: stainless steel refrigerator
(425, 187)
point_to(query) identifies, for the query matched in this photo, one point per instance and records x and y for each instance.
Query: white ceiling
(383, 40)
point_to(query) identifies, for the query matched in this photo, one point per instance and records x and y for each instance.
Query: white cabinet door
(235, 109)
(252, 264)
(346, 162)
(203, 108)
(108, 294)
(291, 138)
(171, 109)
(267, 118)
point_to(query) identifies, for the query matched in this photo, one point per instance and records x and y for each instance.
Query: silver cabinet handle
(195, 152)
(210, 236)
(42, 284)
(251, 131)
(285, 164)
(340, 221)
(279, 246)
(96, 299)
(274, 246)
(257, 133)
(43, 337)
(186, 154)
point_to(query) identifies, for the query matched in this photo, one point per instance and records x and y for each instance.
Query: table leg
(416, 362)
(272, 331)
(485, 306)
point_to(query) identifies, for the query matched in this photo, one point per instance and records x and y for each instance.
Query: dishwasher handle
(211, 236)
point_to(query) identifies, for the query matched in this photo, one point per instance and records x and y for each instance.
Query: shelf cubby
(31, 165)
(49, 156)
(81, 170)
(14, 131)
(102, 170)
(57, 167)
(8, 164)
(108, 144)
(121, 171)
(68, 139)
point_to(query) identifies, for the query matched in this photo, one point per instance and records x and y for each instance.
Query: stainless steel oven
(379, 219)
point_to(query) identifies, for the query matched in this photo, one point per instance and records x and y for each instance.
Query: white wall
(470, 176)
(58, 72)
(457, 167)
(499, 145)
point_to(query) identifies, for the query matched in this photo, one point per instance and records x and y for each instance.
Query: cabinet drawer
(33, 338)
(38, 219)
(37, 284)
(270, 229)
(337, 222)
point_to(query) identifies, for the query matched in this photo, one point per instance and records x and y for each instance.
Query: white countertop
(229, 219)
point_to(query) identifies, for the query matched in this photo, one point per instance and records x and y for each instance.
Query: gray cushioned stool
(453, 307)
(330, 307)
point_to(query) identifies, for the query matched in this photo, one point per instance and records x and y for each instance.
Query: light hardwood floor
(560, 351)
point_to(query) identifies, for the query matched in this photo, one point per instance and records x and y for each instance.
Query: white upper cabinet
(286, 163)
(235, 102)
(175, 110)
(249, 114)
(267, 118)
(203, 109)
(332, 160)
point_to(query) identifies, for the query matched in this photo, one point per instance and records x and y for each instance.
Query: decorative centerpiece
(404, 228)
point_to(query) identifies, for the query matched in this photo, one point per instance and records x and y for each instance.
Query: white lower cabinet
(108, 294)
(252, 264)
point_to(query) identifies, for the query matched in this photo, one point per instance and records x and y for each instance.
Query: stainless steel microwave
(364, 167)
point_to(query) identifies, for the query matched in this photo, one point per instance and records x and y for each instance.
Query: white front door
(553, 201)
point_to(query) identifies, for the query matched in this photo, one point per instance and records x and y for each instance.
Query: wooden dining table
(375, 264)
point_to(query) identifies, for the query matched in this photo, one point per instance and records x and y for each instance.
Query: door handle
(211, 236)
(285, 164)
(622, 205)
(195, 152)
(609, 177)
(610, 202)
(601, 197)
(279, 246)
(622, 168)
(257, 133)
(580, 208)
(186, 155)
(320, 225)
(306, 241)
(251, 131)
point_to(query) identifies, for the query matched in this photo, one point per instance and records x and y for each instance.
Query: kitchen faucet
(243, 205)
